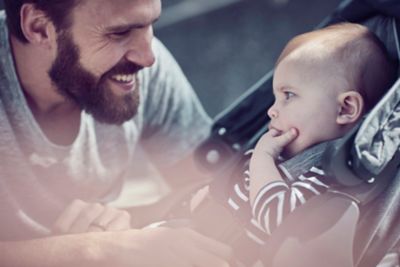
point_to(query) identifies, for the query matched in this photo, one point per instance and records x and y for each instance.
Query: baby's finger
(273, 132)
(286, 138)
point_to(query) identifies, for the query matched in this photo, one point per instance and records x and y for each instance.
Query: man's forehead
(119, 2)
(119, 12)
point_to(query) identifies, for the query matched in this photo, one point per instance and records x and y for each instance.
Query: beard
(90, 93)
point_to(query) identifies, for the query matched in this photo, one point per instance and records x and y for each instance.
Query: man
(82, 82)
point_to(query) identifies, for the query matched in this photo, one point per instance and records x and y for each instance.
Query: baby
(324, 82)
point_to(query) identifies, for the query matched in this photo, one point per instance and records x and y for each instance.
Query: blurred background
(225, 46)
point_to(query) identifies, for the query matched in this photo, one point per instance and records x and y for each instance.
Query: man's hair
(366, 64)
(57, 10)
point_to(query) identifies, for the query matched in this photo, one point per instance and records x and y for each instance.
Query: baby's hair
(366, 64)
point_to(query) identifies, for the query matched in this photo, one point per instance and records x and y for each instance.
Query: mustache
(124, 68)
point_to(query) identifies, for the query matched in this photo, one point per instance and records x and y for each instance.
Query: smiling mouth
(123, 78)
(125, 83)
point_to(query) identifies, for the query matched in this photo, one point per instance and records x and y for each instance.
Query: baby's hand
(273, 142)
(80, 217)
(262, 167)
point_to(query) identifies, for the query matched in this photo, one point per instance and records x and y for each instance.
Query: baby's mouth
(270, 127)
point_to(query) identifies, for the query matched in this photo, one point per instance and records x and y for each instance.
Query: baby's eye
(288, 95)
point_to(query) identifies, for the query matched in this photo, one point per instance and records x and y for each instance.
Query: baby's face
(306, 98)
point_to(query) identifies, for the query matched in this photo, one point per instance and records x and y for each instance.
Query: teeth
(124, 78)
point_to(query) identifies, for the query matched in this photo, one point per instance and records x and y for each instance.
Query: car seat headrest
(381, 16)
(386, 7)
(378, 139)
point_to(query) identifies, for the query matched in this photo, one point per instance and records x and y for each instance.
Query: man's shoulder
(159, 48)
(165, 77)
(153, 73)
(3, 29)
(3, 23)
(163, 58)
(6, 62)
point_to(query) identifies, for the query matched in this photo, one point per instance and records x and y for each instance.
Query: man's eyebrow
(125, 27)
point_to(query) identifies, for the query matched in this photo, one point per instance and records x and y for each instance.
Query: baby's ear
(351, 106)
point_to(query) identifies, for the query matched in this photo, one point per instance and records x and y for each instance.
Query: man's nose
(140, 51)
(272, 112)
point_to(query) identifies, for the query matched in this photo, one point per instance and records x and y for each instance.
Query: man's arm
(53, 251)
(145, 247)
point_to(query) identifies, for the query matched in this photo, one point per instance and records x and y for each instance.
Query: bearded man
(82, 83)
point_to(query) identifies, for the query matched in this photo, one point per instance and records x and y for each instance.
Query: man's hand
(80, 217)
(273, 142)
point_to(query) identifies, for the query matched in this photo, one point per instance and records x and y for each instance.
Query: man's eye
(288, 95)
(120, 34)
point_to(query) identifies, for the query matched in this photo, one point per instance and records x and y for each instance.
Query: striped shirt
(275, 201)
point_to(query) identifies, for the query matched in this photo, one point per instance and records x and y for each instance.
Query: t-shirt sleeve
(276, 200)
(174, 121)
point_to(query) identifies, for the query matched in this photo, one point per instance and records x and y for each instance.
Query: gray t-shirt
(39, 178)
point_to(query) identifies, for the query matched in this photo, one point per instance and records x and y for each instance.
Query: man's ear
(36, 26)
(351, 106)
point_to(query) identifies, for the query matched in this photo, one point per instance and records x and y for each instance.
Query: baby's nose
(272, 113)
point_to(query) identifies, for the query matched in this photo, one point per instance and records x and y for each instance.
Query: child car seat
(355, 225)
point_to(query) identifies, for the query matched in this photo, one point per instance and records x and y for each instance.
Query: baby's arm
(263, 169)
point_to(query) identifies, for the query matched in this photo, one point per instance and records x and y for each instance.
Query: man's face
(306, 98)
(99, 57)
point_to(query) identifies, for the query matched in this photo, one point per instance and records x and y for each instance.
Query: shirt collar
(302, 162)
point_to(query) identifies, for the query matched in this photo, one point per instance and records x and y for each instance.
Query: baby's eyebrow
(282, 89)
(286, 87)
(278, 89)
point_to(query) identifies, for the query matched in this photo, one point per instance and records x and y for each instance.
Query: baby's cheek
(295, 147)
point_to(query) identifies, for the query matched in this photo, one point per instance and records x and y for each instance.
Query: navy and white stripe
(278, 199)
(274, 202)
